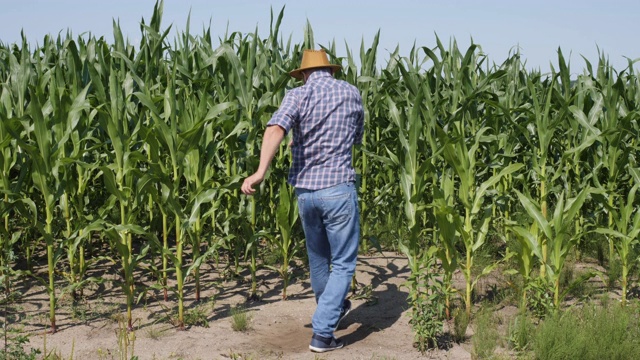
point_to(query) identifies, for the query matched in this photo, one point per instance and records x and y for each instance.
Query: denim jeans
(331, 223)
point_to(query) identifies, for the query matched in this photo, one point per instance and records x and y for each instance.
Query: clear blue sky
(537, 27)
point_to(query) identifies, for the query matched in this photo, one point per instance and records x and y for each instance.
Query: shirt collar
(320, 73)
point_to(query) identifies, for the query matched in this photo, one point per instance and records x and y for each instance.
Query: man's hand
(250, 182)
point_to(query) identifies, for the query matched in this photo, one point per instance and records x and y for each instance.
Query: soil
(377, 327)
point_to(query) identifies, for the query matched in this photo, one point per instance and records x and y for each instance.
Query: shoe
(346, 308)
(322, 344)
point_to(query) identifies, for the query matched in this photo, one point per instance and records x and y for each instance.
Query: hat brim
(297, 73)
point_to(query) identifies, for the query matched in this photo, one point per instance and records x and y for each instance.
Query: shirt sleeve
(287, 114)
(359, 122)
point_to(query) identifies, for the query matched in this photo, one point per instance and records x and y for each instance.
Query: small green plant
(14, 341)
(540, 300)
(14, 349)
(365, 292)
(427, 302)
(126, 341)
(460, 324)
(589, 333)
(613, 274)
(79, 311)
(155, 332)
(567, 275)
(485, 338)
(520, 332)
(197, 316)
(236, 356)
(240, 320)
(376, 357)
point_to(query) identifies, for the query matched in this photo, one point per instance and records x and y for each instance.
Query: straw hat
(314, 59)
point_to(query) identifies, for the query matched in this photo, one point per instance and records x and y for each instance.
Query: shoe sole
(321, 350)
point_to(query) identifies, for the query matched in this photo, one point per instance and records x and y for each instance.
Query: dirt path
(279, 329)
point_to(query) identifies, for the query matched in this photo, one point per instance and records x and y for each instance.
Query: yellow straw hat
(314, 59)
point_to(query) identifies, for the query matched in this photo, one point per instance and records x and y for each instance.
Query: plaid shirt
(327, 118)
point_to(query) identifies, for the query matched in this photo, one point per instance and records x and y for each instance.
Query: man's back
(326, 117)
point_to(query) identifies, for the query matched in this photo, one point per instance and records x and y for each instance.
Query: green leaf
(479, 195)
(532, 210)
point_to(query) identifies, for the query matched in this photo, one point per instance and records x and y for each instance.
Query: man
(326, 116)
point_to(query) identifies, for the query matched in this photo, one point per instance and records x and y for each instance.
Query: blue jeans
(331, 223)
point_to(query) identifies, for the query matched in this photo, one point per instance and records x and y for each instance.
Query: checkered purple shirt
(327, 118)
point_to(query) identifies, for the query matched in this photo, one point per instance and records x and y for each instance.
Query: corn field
(133, 154)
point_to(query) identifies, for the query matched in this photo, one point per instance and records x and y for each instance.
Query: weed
(365, 292)
(155, 332)
(197, 316)
(126, 341)
(14, 349)
(376, 357)
(575, 282)
(237, 356)
(567, 275)
(520, 332)
(540, 299)
(496, 295)
(116, 317)
(103, 354)
(582, 290)
(460, 324)
(79, 311)
(13, 339)
(55, 355)
(485, 338)
(613, 274)
(240, 320)
(427, 305)
(589, 333)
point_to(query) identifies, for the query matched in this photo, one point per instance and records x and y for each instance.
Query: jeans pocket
(337, 208)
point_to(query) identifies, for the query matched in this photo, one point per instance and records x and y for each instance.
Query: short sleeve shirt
(327, 118)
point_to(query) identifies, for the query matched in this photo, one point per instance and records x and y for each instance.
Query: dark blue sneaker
(322, 344)
(346, 308)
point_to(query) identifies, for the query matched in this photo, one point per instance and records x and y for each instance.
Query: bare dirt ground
(376, 328)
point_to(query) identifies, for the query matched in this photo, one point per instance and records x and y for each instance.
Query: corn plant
(447, 223)
(69, 102)
(614, 130)
(412, 171)
(122, 174)
(582, 135)
(473, 225)
(557, 233)
(286, 217)
(464, 127)
(626, 230)
(47, 156)
(527, 238)
(10, 187)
